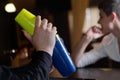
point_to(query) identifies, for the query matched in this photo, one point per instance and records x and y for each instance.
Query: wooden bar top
(97, 73)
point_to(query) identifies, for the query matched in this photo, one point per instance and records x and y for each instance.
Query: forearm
(37, 69)
(76, 55)
(89, 58)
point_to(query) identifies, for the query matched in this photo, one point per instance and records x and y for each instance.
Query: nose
(98, 21)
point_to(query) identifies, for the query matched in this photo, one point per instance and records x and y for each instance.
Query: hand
(43, 37)
(94, 33)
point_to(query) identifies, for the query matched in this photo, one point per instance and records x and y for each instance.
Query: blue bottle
(61, 58)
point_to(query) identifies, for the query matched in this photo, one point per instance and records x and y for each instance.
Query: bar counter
(93, 74)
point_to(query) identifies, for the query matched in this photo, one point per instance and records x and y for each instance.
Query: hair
(109, 6)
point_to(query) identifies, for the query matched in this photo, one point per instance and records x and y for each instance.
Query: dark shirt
(37, 69)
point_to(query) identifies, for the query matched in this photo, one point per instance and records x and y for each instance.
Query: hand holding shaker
(61, 58)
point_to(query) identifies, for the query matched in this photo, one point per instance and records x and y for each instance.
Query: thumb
(27, 35)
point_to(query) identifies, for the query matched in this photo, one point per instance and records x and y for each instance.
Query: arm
(92, 33)
(37, 69)
(91, 57)
(43, 40)
(80, 50)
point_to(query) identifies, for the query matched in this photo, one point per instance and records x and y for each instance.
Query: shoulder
(108, 39)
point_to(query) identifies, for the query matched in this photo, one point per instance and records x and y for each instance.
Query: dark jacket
(37, 69)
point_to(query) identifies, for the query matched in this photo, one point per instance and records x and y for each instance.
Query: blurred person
(110, 45)
(22, 57)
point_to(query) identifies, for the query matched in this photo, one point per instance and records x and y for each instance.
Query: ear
(114, 16)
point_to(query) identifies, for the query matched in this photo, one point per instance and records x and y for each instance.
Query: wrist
(87, 39)
(49, 51)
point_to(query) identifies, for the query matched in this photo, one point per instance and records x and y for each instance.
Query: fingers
(38, 21)
(27, 35)
(44, 24)
(96, 29)
(49, 26)
(54, 29)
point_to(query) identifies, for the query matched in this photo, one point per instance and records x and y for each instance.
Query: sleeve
(37, 69)
(112, 48)
(92, 56)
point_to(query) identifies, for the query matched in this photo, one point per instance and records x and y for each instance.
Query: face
(105, 22)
